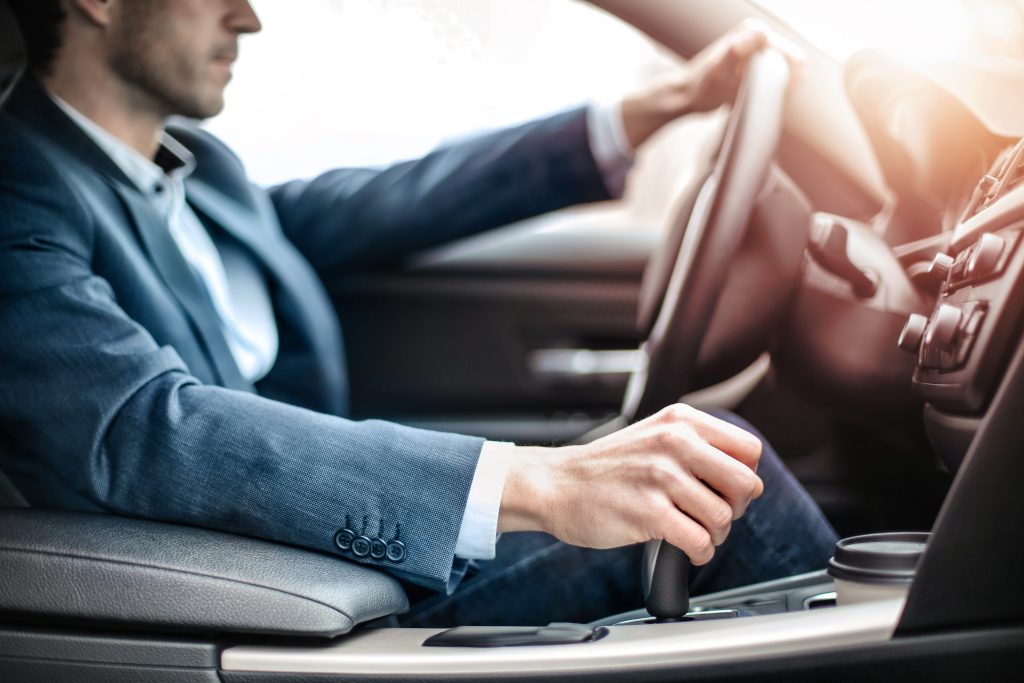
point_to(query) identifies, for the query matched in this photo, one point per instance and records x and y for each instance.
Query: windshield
(842, 27)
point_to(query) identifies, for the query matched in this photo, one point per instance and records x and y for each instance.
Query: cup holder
(820, 601)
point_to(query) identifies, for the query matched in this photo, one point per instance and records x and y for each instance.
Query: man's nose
(243, 17)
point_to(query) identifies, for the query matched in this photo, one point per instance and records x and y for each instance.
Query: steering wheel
(714, 230)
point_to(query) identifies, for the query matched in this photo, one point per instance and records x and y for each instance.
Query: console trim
(400, 651)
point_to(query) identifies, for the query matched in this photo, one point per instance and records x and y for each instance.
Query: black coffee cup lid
(878, 558)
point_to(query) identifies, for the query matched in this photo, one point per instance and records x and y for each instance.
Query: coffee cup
(875, 566)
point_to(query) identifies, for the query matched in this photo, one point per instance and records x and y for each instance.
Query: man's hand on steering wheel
(709, 80)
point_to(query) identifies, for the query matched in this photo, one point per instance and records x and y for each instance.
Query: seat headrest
(12, 58)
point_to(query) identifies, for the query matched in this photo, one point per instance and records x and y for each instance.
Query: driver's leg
(536, 579)
(782, 533)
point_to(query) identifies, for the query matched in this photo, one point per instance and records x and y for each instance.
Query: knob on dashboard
(913, 333)
(940, 267)
(944, 328)
(985, 256)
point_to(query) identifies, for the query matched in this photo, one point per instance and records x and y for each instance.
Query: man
(167, 350)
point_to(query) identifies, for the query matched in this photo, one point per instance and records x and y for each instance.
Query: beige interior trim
(398, 651)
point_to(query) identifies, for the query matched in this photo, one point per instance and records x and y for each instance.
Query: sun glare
(363, 82)
(916, 29)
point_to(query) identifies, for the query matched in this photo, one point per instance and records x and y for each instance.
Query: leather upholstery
(11, 57)
(126, 572)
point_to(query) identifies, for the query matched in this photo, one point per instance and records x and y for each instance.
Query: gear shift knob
(666, 579)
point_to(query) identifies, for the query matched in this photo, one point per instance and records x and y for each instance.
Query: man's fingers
(702, 505)
(730, 439)
(732, 480)
(713, 450)
(746, 42)
(758, 489)
(796, 57)
(688, 536)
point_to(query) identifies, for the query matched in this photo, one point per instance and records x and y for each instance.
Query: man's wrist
(645, 113)
(525, 501)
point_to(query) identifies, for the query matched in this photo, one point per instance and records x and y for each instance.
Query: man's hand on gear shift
(680, 475)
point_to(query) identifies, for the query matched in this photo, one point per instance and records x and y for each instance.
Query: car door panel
(463, 331)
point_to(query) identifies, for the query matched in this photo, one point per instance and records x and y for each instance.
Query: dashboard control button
(940, 267)
(913, 333)
(964, 351)
(940, 344)
(944, 328)
(974, 321)
(974, 314)
(985, 256)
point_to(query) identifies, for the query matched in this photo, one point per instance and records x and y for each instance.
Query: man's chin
(202, 108)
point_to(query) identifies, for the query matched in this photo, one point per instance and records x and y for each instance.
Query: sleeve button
(343, 539)
(378, 549)
(396, 551)
(361, 546)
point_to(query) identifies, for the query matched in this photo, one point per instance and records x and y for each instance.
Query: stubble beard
(164, 80)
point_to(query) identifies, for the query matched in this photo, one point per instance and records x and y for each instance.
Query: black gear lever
(666, 581)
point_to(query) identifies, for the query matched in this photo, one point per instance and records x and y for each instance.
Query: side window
(366, 82)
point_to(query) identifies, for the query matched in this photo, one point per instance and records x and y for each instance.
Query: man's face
(178, 53)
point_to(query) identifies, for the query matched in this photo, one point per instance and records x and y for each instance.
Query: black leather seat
(11, 54)
(66, 568)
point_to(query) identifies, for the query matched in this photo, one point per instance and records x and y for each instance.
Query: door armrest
(93, 568)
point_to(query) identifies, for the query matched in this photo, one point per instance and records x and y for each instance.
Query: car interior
(842, 269)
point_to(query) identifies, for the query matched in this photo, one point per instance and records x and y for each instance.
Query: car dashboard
(963, 347)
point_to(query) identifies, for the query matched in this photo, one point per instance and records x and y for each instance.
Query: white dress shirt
(249, 327)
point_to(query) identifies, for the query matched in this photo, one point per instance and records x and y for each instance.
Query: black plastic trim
(34, 654)
(970, 573)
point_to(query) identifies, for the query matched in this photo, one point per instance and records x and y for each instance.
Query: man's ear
(96, 12)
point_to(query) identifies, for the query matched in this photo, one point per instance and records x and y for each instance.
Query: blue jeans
(536, 579)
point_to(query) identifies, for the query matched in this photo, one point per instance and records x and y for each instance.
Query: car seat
(12, 57)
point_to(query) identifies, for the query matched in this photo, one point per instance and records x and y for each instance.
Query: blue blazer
(117, 389)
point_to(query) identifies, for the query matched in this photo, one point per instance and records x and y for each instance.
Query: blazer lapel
(249, 227)
(179, 277)
(300, 298)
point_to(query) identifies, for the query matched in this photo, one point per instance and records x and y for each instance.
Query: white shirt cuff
(478, 534)
(609, 145)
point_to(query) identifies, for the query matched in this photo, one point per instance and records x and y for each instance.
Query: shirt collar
(172, 159)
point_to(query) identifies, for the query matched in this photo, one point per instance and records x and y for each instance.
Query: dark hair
(40, 24)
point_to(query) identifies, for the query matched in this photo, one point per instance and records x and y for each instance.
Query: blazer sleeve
(360, 217)
(90, 403)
